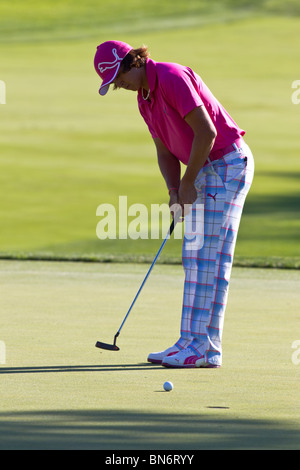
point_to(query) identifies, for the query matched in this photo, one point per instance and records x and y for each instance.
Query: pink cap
(107, 61)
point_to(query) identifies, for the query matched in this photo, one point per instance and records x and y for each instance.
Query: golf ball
(168, 386)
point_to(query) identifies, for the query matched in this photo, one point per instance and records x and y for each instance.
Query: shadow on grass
(124, 430)
(83, 368)
(271, 205)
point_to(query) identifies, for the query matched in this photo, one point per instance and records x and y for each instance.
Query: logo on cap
(103, 66)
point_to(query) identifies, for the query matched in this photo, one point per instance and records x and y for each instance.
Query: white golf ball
(168, 386)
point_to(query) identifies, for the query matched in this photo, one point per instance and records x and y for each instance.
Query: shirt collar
(151, 74)
(152, 82)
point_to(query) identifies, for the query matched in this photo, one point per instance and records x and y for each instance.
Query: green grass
(68, 19)
(59, 392)
(65, 150)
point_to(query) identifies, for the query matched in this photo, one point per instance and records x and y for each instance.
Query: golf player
(190, 129)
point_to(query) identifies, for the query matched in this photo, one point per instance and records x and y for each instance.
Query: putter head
(109, 347)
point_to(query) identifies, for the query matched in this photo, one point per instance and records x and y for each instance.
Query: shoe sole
(191, 366)
(154, 361)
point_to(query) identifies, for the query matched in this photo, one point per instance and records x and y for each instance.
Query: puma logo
(213, 197)
(103, 66)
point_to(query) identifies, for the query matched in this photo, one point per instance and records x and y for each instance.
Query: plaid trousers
(222, 187)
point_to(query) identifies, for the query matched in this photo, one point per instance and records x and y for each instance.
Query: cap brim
(104, 89)
(105, 84)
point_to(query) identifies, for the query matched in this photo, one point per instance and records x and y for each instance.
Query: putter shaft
(114, 347)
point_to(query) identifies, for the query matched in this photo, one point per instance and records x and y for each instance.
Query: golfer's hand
(187, 195)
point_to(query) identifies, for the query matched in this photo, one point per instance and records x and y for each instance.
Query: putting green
(59, 392)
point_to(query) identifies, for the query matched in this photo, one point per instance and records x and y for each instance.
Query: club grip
(172, 227)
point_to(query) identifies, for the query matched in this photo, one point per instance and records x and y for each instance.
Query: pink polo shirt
(175, 91)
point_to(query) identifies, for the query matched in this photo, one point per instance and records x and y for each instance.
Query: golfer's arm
(169, 165)
(204, 137)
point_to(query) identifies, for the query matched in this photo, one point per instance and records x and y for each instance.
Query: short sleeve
(181, 90)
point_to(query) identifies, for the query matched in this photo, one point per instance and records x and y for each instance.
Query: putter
(114, 347)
